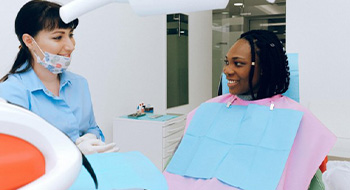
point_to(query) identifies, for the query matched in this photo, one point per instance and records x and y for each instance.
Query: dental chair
(33, 153)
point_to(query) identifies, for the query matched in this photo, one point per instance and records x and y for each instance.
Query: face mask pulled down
(54, 63)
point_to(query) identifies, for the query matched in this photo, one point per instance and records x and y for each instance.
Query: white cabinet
(155, 138)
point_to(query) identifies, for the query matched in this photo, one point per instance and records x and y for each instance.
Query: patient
(254, 137)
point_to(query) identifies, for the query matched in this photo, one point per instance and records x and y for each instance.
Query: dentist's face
(237, 68)
(58, 41)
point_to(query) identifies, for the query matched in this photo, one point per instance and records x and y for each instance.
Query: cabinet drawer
(165, 161)
(173, 128)
(169, 151)
(174, 138)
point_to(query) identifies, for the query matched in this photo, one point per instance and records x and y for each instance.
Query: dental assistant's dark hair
(34, 16)
(273, 62)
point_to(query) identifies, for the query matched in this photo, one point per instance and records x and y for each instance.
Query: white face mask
(54, 63)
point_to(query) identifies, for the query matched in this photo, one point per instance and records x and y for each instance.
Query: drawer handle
(175, 130)
(171, 151)
(174, 140)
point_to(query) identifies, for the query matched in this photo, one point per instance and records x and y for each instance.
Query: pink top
(311, 145)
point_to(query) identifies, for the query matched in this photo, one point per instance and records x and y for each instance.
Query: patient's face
(237, 67)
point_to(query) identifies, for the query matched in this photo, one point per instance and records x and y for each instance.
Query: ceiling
(253, 8)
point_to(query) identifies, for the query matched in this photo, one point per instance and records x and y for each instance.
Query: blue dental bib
(243, 146)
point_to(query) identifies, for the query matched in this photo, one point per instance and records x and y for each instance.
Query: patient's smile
(232, 83)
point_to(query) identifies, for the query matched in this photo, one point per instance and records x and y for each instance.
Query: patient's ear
(28, 41)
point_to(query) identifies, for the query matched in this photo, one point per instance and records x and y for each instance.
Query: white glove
(89, 144)
(87, 136)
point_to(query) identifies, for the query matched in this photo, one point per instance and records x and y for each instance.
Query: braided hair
(273, 62)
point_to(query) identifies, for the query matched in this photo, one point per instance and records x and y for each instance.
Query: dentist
(40, 82)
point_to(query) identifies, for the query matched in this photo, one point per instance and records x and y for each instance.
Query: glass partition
(177, 60)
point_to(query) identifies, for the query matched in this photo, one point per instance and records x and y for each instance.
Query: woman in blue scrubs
(39, 81)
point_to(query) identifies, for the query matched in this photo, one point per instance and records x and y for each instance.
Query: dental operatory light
(76, 8)
(271, 1)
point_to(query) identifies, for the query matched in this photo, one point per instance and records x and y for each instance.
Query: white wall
(8, 39)
(319, 31)
(123, 57)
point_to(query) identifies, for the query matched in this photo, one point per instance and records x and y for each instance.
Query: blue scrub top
(71, 111)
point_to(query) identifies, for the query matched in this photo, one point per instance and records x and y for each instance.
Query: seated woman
(254, 137)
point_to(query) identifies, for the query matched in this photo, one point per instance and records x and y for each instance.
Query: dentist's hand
(85, 137)
(89, 144)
